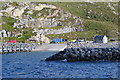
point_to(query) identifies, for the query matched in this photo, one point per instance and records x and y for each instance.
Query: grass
(72, 35)
(101, 28)
(82, 11)
(44, 12)
(13, 4)
(56, 27)
(8, 23)
(41, 28)
(8, 20)
(35, 14)
(90, 30)
(101, 22)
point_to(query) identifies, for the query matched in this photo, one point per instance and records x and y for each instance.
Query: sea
(33, 65)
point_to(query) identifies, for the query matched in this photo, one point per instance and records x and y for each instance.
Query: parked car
(112, 40)
(52, 42)
(12, 41)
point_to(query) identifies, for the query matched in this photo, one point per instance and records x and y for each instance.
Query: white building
(100, 39)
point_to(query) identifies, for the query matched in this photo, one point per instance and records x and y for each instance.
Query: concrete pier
(50, 47)
(17, 47)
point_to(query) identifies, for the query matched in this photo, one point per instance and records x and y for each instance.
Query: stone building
(100, 39)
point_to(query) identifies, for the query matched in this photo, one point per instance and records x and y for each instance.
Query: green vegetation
(98, 19)
(8, 23)
(41, 28)
(45, 11)
(101, 28)
(8, 20)
(35, 14)
(81, 9)
(90, 30)
(26, 34)
(72, 35)
(56, 27)
(13, 4)
(25, 11)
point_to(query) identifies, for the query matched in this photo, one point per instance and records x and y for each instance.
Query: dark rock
(87, 54)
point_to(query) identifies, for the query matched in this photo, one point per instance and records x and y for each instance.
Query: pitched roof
(100, 37)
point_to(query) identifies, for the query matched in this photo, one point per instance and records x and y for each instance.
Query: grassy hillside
(98, 19)
(91, 28)
(99, 10)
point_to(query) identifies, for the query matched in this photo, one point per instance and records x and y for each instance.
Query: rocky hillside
(67, 20)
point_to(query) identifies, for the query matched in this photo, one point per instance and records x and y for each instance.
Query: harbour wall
(87, 54)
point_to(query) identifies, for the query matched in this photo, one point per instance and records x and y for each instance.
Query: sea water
(32, 65)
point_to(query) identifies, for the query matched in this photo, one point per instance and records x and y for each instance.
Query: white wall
(105, 39)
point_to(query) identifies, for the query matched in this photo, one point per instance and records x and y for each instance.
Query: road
(50, 47)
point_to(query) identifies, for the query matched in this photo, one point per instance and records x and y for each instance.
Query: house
(100, 39)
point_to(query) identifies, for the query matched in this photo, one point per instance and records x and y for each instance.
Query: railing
(17, 47)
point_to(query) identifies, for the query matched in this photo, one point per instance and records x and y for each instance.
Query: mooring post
(7, 50)
(2, 48)
(15, 47)
(27, 47)
(19, 47)
(23, 47)
(31, 47)
(11, 48)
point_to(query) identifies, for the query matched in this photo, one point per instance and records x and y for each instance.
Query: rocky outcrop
(44, 39)
(41, 6)
(9, 9)
(40, 37)
(18, 12)
(87, 54)
(4, 33)
(42, 17)
(56, 31)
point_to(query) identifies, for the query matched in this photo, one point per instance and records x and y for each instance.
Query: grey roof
(100, 37)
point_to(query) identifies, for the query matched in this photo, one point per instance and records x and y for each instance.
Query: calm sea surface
(32, 65)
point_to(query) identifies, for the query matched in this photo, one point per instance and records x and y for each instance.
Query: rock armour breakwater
(87, 54)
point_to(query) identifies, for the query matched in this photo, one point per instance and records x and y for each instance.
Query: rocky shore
(87, 54)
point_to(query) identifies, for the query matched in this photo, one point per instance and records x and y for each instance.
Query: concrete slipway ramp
(50, 47)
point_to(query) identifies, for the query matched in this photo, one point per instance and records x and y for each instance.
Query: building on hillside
(100, 39)
(44, 39)
(40, 38)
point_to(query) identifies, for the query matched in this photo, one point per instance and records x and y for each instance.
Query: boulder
(18, 12)
(44, 39)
